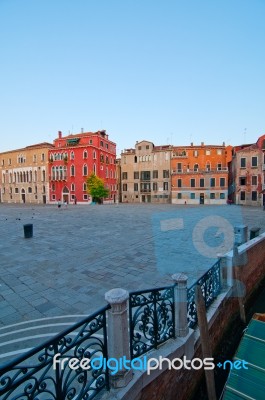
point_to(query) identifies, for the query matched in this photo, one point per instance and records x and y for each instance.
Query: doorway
(202, 198)
(23, 195)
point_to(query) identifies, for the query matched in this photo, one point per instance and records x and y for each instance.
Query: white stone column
(180, 303)
(118, 334)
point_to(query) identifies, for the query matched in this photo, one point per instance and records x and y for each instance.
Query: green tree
(96, 188)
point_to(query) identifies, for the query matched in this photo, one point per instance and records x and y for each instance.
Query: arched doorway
(23, 195)
(65, 195)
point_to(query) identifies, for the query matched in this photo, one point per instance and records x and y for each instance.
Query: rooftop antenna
(245, 132)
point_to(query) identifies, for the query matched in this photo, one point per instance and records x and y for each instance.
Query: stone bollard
(118, 334)
(181, 305)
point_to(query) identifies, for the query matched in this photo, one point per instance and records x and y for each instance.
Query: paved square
(80, 252)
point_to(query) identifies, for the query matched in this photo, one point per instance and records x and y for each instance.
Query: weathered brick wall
(182, 384)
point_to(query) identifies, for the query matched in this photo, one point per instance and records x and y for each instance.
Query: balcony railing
(199, 170)
(34, 374)
(152, 319)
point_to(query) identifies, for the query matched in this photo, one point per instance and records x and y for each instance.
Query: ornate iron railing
(210, 284)
(34, 375)
(152, 319)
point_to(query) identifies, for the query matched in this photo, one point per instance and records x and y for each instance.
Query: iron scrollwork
(210, 284)
(34, 375)
(152, 320)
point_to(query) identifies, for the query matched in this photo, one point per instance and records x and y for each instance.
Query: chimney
(223, 143)
(191, 144)
(202, 143)
(60, 134)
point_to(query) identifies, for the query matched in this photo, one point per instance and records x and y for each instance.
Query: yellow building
(24, 174)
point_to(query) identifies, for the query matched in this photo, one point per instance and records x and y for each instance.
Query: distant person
(59, 203)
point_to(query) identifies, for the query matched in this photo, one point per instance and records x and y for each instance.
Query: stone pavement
(80, 252)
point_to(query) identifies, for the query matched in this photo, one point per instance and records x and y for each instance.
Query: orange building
(200, 174)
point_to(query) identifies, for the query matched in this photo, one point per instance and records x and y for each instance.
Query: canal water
(230, 343)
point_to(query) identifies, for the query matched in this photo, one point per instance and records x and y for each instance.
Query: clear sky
(169, 71)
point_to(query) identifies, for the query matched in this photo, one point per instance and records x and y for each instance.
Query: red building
(74, 158)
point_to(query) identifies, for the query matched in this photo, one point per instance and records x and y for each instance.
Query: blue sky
(166, 71)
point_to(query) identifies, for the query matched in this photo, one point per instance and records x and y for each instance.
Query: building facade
(74, 158)
(145, 174)
(200, 174)
(24, 174)
(248, 173)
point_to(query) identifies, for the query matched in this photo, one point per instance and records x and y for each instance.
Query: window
(212, 196)
(124, 187)
(136, 175)
(243, 162)
(94, 155)
(147, 147)
(101, 143)
(101, 158)
(179, 169)
(222, 196)
(179, 196)
(135, 159)
(145, 175)
(201, 182)
(72, 155)
(155, 186)
(72, 187)
(85, 170)
(222, 182)
(165, 173)
(219, 167)
(242, 180)
(42, 157)
(254, 180)
(72, 170)
(85, 197)
(192, 196)
(179, 182)
(254, 162)
(208, 167)
(16, 190)
(29, 190)
(196, 167)
(243, 196)
(208, 152)
(192, 182)
(165, 186)
(219, 151)
(155, 174)
(254, 196)
(85, 154)
(195, 153)
(124, 175)
(136, 187)
(139, 147)
(84, 187)
(90, 141)
(212, 182)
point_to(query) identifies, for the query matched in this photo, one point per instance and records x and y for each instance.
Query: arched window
(57, 173)
(61, 173)
(43, 176)
(196, 167)
(84, 187)
(72, 155)
(208, 166)
(35, 176)
(85, 154)
(53, 173)
(30, 176)
(72, 187)
(95, 169)
(64, 173)
(85, 170)
(72, 170)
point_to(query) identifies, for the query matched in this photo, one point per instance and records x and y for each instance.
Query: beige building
(24, 174)
(247, 173)
(145, 174)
